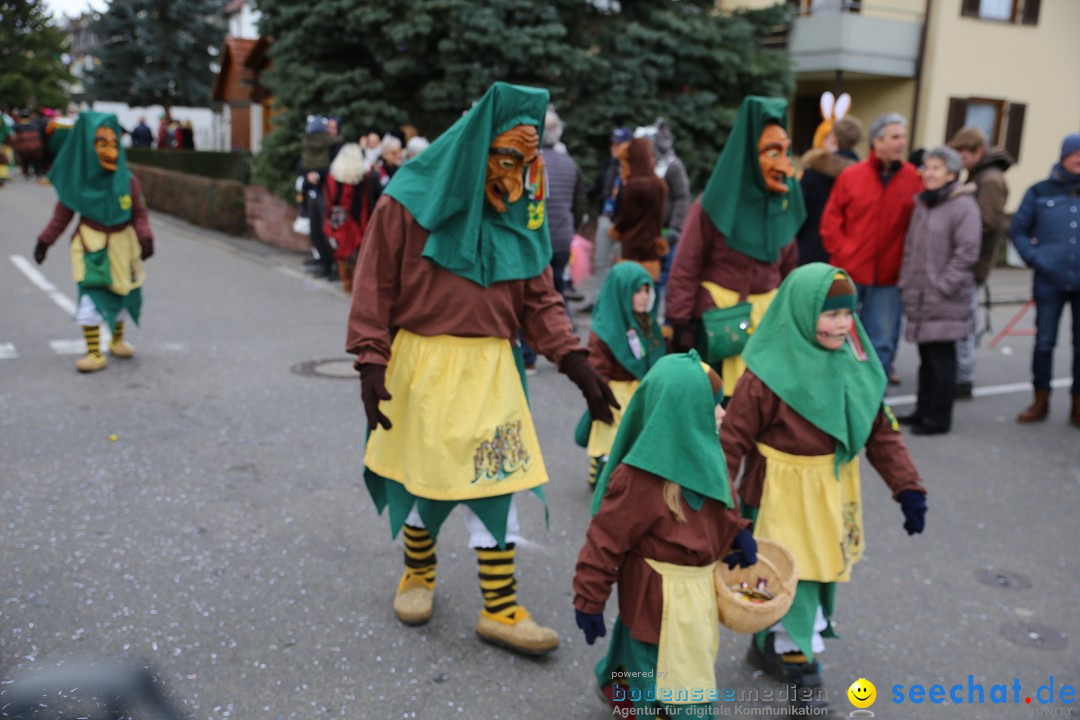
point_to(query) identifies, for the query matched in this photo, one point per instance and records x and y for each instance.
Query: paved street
(225, 535)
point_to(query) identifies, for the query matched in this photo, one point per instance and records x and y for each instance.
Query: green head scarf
(838, 391)
(614, 316)
(82, 183)
(443, 189)
(669, 429)
(754, 221)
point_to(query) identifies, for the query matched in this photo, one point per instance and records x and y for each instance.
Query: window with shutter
(1011, 11)
(1014, 129)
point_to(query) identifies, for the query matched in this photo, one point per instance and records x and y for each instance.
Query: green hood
(835, 390)
(669, 429)
(82, 184)
(614, 316)
(754, 221)
(443, 189)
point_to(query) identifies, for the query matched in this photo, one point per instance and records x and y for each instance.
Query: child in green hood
(625, 341)
(808, 403)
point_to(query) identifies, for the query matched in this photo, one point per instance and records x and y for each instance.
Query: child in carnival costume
(455, 262)
(663, 516)
(809, 402)
(112, 237)
(625, 341)
(738, 241)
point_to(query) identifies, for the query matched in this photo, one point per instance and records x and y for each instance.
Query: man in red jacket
(864, 225)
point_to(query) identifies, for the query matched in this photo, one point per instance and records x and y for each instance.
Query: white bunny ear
(843, 104)
(828, 101)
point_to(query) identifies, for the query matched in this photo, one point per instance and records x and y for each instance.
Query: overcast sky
(59, 8)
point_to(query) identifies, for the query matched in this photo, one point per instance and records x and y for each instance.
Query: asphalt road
(225, 536)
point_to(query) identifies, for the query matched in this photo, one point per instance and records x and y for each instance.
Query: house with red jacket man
(863, 228)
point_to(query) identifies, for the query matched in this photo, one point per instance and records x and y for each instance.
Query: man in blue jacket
(1046, 233)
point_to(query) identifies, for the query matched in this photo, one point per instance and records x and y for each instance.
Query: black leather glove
(592, 625)
(913, 503)
(147, 245)
(598, 395)
(39, 252)
(745, 553)
(683, 338)
(372, 390)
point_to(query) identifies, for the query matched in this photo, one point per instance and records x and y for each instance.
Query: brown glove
(39, 252)
(598, 396)
(147, 245)
(683, 338)
(372, 390)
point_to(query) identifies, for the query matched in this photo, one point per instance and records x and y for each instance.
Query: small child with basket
(810, 401)
(663, 518)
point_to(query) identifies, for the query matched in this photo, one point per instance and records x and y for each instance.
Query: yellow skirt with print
(812, 513)
(125, 266)
(461, 423)
(602, 435)
(734, 367)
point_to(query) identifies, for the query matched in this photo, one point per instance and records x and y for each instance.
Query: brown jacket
(991, 193)
(634, 523)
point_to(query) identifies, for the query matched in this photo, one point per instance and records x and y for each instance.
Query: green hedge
(215, 165)
(209, 202)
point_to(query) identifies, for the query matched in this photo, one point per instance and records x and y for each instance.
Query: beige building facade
(1008, 66)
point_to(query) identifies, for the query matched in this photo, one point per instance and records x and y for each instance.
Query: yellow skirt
(461, 423)
(734, 367)
(812, 513)
(602, 435)
(125, 265)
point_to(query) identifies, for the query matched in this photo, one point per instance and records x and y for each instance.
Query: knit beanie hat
(1070, 145)
(841, 294)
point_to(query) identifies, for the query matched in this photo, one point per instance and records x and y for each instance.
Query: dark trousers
(316, 212)
(1049, 303)
(937, 384)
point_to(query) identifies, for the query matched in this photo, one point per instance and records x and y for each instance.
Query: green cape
(443, 189)
(754, 221)
(83, 184)
(669, 429)
(613, 317)
(833, 389)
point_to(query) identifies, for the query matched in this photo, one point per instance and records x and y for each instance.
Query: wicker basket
(774, 563)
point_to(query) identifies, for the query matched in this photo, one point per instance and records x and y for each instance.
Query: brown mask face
(776, 165)
(508, 158)
(107, 148)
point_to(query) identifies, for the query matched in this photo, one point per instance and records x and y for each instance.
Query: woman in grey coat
(936, 282)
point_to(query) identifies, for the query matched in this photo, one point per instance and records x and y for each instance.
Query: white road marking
(60, 347)
(987, 391)
(8, 351)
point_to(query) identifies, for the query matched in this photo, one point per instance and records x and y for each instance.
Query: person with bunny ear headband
(832, 109)
(821, 167)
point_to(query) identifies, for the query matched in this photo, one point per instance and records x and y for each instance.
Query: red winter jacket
(864, 222)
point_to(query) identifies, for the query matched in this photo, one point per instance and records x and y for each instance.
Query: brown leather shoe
(521, 634)
(1038, 411)
(415, 600)
(1074, 414)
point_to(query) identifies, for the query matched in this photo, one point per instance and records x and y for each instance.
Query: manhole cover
(1002, 579)
(1033, 635)
(330, 369)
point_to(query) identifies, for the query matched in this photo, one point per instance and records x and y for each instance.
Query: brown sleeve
(614, 531)
(751, 410)
(545, 323)
(140, 218)
(686, 271)
(991, 197)
(377, 283)
(889, 455)
(789, 259)
(600, 357)
(61, 216)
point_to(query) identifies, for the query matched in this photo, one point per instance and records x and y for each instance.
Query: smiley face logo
(862, 693)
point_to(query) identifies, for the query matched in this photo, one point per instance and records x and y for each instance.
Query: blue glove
(745, 553)
(913, 503)
(591, 625)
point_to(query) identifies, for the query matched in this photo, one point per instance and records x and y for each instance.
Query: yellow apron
(734, 367)
(125, 265)
(811, 513)
(689, 634)
(461, 423)
(602, 435)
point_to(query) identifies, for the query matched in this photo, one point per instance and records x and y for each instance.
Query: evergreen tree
(157, 52)
(32, 73)
(388, 62)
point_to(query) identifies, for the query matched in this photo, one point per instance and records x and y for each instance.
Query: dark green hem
(109, 304)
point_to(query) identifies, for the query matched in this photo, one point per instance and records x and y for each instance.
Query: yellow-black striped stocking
(92, 333)
(497, 580)
(419, 554)
(118, 333)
